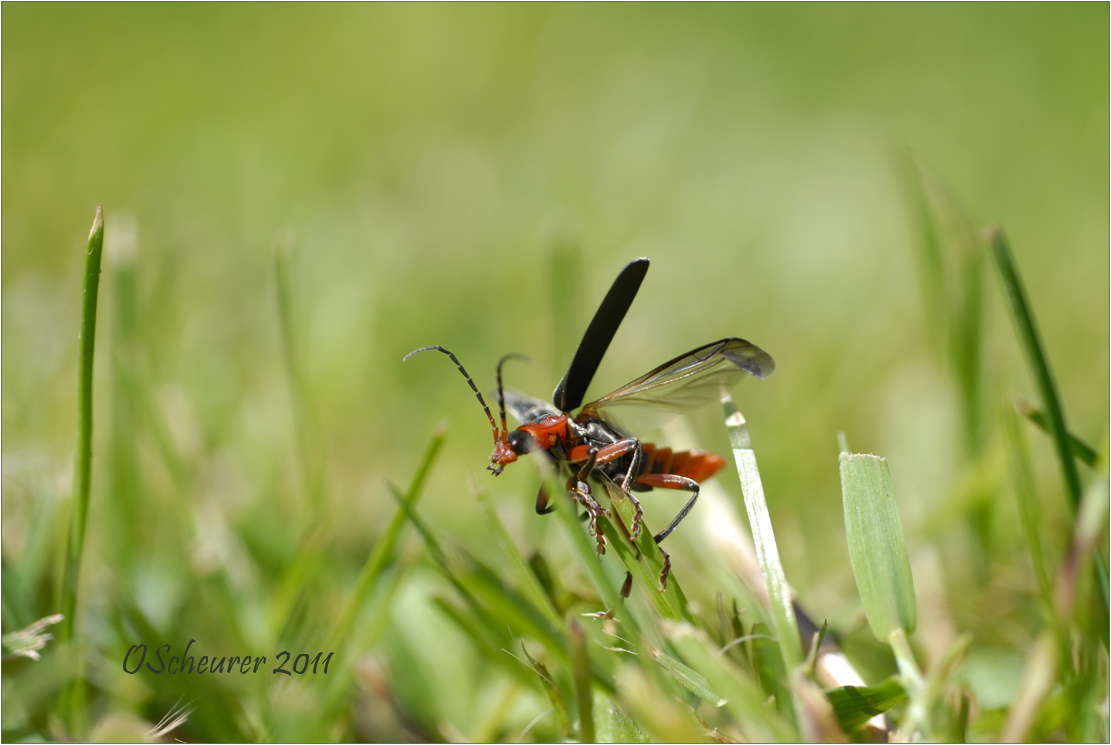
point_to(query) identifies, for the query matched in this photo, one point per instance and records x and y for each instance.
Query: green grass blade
(855, 705)
(580, 668)
(670, 603)
(526, 578)
(951, 274)
(763, 537)
(1085, 453)
(1029, 509)
(690, 679)
(744, 699)
(555, 696)
(1036, 360)
(83, 460)
(384, 547)
(311, 472)
(490, 599)
(767, 664)
(615, 725)
(82, 466)
(585, 548)
(932, 269)
(876, 549)
(492, 640)
(1043, 380)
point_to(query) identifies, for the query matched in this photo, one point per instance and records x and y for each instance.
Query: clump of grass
(549, 648)
(663, 668)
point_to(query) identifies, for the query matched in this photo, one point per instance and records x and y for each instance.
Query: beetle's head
(508, 447)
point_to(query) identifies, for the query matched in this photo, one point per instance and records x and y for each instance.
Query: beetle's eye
(520, 442)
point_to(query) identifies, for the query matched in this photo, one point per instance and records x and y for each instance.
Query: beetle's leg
(626, 486)
(542, 507)
(580, 491)
(670, 481)
(666, 570)
(614, 451)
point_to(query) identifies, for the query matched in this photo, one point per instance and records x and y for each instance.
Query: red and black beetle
(593, 444)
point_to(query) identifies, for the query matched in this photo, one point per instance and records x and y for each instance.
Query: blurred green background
(475, 176)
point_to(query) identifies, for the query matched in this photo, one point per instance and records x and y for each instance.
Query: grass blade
(763, 537)
(1029, 509)
(767, 664)
(1080, 449)
(555, 696)
(304, 423)
(83, 458)
(671, 603)
(876, 549)
(585, 549)
(855, 705)
(384, 547)
(744, 699)
(580, 667)
(529, 585)
(690, 679)
(1043, 380)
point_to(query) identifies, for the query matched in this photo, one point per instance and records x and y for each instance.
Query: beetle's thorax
(545, 434)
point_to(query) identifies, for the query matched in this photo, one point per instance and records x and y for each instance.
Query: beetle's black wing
(687, 382)
(569, 393)
(526, 409)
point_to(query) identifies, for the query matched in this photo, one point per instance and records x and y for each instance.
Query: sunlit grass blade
(876, 549)
(1036, 360)
(384, 547)
(855, 705)
(763, 537)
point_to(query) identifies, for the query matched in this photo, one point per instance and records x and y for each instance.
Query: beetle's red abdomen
(696, 465)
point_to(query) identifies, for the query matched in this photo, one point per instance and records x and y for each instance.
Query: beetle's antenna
(470, 382)
(501, 391)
